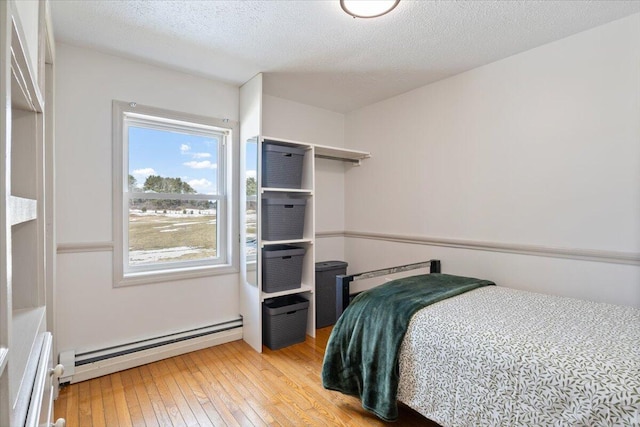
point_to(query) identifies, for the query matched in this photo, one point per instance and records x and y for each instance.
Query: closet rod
(356, 162)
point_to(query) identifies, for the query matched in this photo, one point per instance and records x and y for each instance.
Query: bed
(482, 354)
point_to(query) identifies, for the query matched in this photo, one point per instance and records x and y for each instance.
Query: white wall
(299, 122)
(90, 312)
(542, 149)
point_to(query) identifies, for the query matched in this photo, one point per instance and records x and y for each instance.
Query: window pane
(162, 231)
(164, 161)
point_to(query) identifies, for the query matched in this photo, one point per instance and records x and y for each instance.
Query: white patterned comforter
(501, 357)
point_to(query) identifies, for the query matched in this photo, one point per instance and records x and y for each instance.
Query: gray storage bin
(281, 165)
(281, 267)
(284, 321)
(282, 218)
(326, 295)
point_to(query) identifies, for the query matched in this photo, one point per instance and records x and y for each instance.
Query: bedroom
(523, 170)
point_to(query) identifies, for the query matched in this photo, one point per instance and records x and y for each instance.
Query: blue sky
(192, 158)
(251, 159)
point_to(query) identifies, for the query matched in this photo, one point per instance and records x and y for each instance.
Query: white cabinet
(26, 387)
(253, 192)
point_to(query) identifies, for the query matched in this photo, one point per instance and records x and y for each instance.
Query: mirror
(248, 206)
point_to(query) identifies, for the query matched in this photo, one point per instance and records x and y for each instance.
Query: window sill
(149, 277)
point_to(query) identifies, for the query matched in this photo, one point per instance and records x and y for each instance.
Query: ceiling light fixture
(368, 9)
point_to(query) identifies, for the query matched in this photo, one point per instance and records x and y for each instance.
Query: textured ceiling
(312, 52)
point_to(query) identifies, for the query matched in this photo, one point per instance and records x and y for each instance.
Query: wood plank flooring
(226, 385)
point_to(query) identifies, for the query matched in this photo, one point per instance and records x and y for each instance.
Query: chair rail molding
(616, 257)
(79, 247)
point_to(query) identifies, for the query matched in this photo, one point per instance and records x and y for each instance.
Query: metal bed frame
(343, 282)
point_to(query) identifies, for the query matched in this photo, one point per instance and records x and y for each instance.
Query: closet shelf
(285, 242)
(22, 210)
(289, 142)
(26, 346)
(26, 325)
(343, 154)
(326, 151)
(301, 289)
(286, 190)
(25, 93)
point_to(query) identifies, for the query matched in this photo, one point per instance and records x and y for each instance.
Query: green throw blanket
(361, 358)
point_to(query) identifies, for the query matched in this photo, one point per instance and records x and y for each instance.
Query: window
(172, 204)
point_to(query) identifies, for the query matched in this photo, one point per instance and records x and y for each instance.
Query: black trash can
(326, 273)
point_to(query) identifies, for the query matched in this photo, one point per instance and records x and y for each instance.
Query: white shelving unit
(251, 293)
(26, 388)
(307, 287)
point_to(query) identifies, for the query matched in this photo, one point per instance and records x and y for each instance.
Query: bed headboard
(343, 282)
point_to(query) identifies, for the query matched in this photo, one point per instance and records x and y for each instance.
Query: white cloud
(205, 164)
(201, 155)
(184, 148)
(251, 174)
(144, 171)
(202, 186)
(141, 174)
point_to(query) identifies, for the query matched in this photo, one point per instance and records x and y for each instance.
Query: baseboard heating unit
(95, 363)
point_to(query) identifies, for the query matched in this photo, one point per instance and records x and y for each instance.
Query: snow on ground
(174, 214)
(159, 255)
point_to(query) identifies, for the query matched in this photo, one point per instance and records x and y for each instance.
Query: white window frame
(126, 114)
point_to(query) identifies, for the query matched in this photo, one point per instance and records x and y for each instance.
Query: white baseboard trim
(139, 358)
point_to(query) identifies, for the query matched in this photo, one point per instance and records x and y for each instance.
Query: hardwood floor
(229, 384)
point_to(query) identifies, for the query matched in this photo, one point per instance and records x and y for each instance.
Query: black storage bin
(284, 321)
(281, 267)
(281, 165)
(326, 295)
(283, 218)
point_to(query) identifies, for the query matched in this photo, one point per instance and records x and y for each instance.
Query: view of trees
(160, 184)
(132, 183)
(252, 186)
